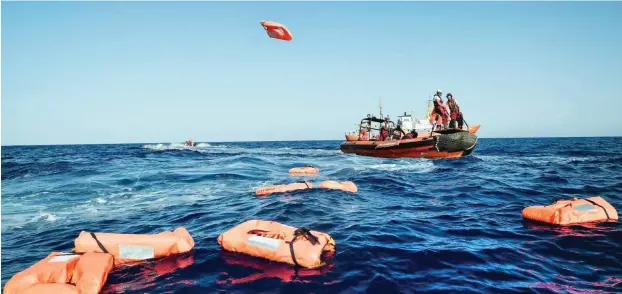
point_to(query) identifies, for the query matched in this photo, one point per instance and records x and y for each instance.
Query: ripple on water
(414, 226)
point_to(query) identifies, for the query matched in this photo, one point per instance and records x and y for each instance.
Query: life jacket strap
(605, 210)
(301, 232)
(101, 246)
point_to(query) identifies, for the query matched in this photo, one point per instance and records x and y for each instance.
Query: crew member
(441, 111)
(456, 114)
(398, 133)
(384, 133)
(364, 136)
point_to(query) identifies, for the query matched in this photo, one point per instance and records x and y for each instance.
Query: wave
(176, 146)
(420, 166)
(415, 225)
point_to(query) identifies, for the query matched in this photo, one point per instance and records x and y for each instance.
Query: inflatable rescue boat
(441, 144)
(447, 143)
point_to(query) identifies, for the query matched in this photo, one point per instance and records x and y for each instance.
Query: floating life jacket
(347, 186)
(278, 242)
(126, 248)
(264, 191)
(63, 273)
(575, 211)
(306, 170)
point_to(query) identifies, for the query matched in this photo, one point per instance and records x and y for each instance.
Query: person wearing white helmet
(435, 115)
(438, 96)
(440, 114)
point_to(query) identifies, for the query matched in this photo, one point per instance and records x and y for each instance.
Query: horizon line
(268, 141)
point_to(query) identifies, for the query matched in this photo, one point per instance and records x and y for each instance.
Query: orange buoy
(134, 247)
(264, 191)
(575, 211)
(306, 170)
(347, 186)
(276, 30)
(277, 242)
(63, 273)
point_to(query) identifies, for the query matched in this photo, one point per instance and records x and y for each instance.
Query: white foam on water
(289, 198)
(422, 166)
(532, 159)
(491, 157)
(40, 193)
(557, 159)
(45, 216)
(175, 146)
(351, 209)
(156, 147)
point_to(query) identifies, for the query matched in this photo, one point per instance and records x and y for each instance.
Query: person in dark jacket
(456, 114)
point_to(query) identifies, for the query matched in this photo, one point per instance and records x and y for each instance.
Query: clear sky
(114, 72)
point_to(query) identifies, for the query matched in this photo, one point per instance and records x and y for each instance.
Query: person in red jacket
(456, 114)
(441, 113)
(384, 133)
(364, 136)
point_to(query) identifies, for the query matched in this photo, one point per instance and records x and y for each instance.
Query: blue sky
(113, 72)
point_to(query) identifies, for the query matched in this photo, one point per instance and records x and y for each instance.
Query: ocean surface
(415, 225)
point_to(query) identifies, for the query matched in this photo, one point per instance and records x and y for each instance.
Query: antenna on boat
(429, 110)
(380, 104)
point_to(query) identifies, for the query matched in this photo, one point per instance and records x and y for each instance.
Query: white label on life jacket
(268, 243)
(585, 208)
(62, 258)
(135, 252)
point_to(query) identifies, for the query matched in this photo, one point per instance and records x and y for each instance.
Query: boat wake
(175, 146)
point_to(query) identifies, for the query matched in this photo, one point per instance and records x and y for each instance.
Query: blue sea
(415, 225)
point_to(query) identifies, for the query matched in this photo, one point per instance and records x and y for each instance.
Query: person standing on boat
(436, 111)
(456, 114)
(441, 111)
